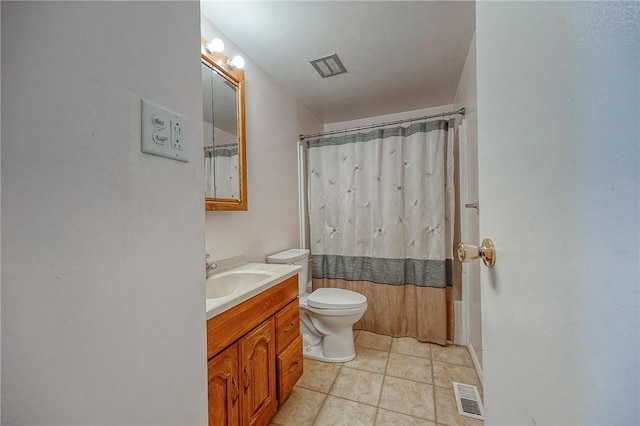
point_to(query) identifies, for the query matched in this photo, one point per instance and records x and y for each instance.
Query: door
(558, 108)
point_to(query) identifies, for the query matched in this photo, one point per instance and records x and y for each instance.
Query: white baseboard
(460, 336)
(476, 362)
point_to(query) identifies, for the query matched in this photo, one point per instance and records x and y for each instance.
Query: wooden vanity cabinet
(255, 356)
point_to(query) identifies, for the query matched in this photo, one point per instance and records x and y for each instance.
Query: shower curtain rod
(461, 111)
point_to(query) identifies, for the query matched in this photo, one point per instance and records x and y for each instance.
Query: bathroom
(255, 240)
(102, 245)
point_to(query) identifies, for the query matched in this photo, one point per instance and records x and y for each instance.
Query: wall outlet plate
(163, 132)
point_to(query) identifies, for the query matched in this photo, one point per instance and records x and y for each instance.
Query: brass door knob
(487, 252)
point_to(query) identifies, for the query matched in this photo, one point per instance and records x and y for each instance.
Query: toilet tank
(294, 257)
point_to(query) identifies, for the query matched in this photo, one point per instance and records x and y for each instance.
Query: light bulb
(215, 45)
(237, 62)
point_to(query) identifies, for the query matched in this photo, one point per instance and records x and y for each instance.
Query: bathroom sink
(228, 283)
(234, 281)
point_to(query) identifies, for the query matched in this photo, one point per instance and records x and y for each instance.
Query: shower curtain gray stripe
(431, 273)
(222, 152)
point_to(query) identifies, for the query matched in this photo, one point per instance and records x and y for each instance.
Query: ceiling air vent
(329, 66)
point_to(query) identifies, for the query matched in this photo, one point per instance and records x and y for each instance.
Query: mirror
(224, 133)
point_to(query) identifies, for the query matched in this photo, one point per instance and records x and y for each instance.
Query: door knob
(468, 252)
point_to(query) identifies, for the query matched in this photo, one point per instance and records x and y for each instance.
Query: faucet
(210, 266)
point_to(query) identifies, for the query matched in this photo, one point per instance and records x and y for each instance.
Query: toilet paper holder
(469, 252)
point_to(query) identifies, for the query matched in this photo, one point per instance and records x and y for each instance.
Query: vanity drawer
(290, 367)
(287, 325)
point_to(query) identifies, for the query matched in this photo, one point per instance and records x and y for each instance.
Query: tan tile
(318, 375)
(366, 339)
(355, 334)
(445, 373)
(448, 410)
(340, 412)
(409, 367)
(369, 360)
(301, 408)
(358, 385)
(408, 397)
(391, 418)
(453, 353)
(411, 346)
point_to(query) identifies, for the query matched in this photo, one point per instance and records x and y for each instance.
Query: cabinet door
(224, 388)
(258, 362)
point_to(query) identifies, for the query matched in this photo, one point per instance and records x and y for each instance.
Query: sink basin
(228, 283)
(235, 281)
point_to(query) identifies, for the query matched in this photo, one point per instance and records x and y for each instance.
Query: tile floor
(392, 381)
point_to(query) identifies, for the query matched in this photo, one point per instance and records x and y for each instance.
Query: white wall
(0, 216)
(466, 96)
(558, 134)
(274, 121)
(103, 313)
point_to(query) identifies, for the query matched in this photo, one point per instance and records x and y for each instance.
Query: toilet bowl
(327, 315)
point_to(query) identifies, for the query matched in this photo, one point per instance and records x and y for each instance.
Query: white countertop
(279, 273)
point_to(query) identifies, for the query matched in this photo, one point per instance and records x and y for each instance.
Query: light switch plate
(163, 132)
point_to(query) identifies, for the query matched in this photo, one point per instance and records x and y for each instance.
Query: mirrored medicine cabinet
(224, 133)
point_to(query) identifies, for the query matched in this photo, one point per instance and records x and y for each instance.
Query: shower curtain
(221, 172)
(381, 211)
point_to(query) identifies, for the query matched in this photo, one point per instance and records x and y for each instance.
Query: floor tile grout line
(333, 383)
(328, 393)
(433, 386)
(384, 380)
(354, 401)
(408, 415)
(326, 397)
(315, 419)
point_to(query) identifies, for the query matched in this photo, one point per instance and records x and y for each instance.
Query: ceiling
(399, 55)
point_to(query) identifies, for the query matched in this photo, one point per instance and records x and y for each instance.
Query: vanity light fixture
(215, 45)
(236, 62)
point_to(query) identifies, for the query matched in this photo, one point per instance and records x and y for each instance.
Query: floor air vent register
(468, 401)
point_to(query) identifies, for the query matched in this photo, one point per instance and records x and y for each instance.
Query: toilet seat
(335, 299)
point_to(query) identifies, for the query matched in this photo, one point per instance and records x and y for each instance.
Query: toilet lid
(335, 298)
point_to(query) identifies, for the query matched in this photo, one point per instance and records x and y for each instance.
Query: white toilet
(326, 315)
